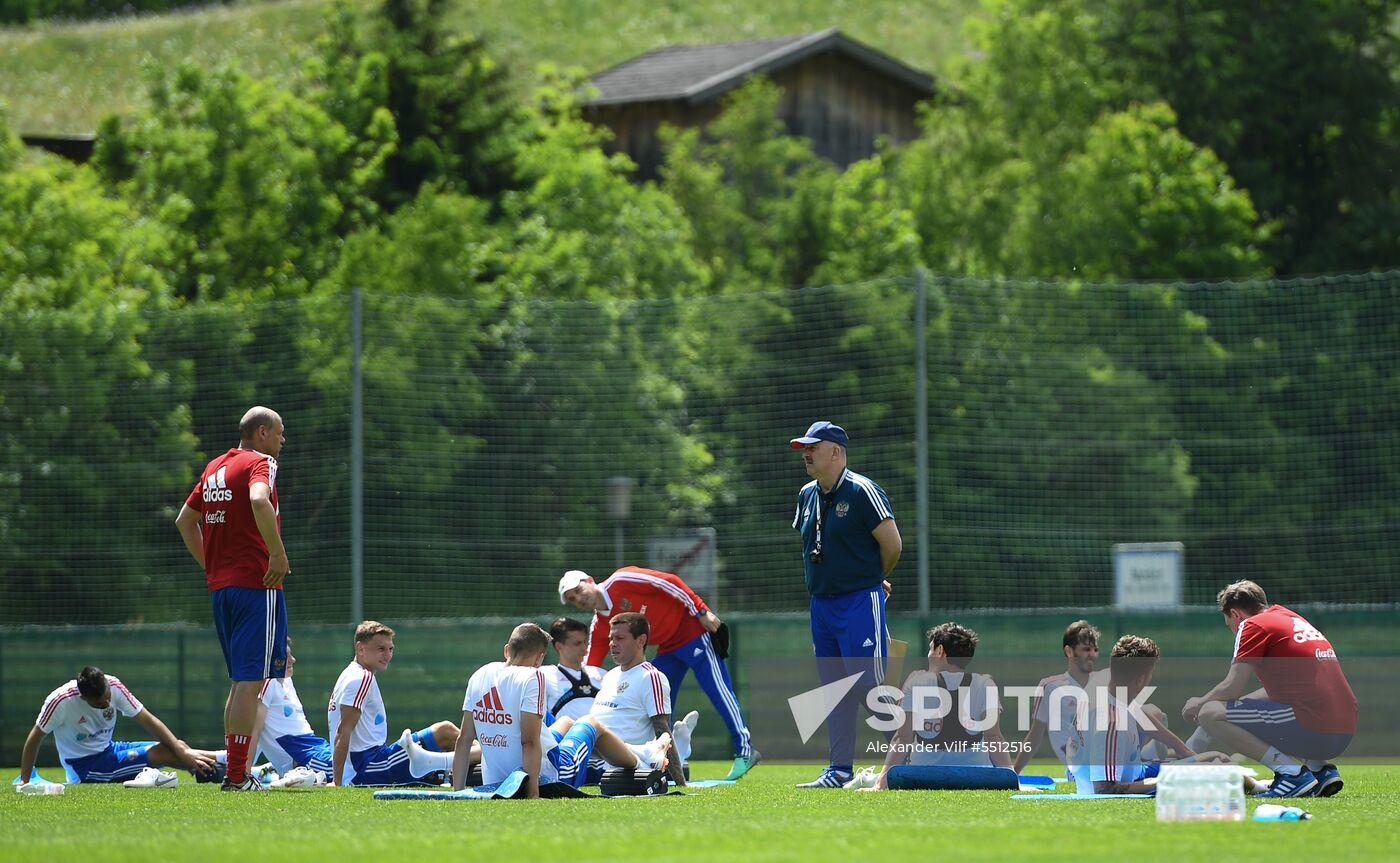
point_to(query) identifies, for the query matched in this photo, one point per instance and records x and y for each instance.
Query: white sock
(1315, 766)
(1285, 764)
(1199, 741)
(681, 732)
(422, 761)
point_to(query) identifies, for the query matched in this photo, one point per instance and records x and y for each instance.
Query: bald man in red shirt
(681, 625)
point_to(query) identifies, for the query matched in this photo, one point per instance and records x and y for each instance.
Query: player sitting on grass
(1058, 713)
(81, 714)
(298, 756)
(968, 734)
(1106, 750)
(360, 754)
(1307, 714)
(572, 684)
(635, 698)
(504, 712)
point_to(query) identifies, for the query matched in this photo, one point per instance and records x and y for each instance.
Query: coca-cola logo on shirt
(498, 740)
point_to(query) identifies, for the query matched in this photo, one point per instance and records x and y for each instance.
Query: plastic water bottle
(40, 788)
(1276, 812)
(1200, 792)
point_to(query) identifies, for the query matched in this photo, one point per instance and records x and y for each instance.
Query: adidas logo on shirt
(488, 708)
(216, 489)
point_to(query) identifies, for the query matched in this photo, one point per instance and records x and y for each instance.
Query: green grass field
(762, 818)
(65, 77)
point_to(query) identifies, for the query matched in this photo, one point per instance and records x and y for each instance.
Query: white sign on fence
(1148, 574)
(691, 555)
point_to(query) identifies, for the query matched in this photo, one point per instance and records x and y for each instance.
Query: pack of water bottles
(1201, 792)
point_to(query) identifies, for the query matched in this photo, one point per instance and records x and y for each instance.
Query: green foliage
(458, 117)
(1300, 100)
(78, 397)
(256, 183)
(23, 11)
(757, 196)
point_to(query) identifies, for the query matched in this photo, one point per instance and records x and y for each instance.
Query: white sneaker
(301, 777)
(866, 777)
(652, 755)
(264, 773)
(150, 777)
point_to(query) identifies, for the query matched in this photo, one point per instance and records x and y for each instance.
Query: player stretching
(81, 714)
(232, 527)
(681, 626)
(504, 712)
(358, 724)
(635, 698)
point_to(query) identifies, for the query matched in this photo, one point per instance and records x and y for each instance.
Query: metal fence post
(921, 436)
(180, 676)
(357, 461)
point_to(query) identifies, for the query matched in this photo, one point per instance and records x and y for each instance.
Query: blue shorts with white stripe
(117, 763)
(252, 627)
(1276, 724)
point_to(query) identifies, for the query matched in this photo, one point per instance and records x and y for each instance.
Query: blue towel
(33, 777)
(1078, 796)
(499, 791)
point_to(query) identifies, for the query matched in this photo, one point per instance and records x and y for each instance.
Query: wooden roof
(700, 73)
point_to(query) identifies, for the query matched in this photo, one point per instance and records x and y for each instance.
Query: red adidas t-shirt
(1297, 665)
(234, 552)
(668, 604)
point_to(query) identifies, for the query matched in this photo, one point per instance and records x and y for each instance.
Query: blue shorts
(388, 765)
(1276, 724)
(252, 627)
(117, 763)
(307, 750)
(852, 627)
(572, 755)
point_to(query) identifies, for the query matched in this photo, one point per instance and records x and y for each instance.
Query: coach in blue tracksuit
(849, 544)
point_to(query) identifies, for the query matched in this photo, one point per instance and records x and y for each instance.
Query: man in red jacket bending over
(681, 626)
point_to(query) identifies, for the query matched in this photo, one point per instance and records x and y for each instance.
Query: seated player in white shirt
(81, 714)
(504, 711)
(284, 735)
(358, 724)
(967, 735)
(1058, 705)
(1106, 750)
(572, 685)
(635, 698)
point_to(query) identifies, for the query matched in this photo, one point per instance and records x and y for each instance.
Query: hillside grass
(64, 77)
(762, 818)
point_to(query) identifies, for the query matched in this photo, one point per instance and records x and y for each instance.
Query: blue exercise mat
(1037, 782)
(708, 783)
(1078, 796)
(499, 791)
(938, 777)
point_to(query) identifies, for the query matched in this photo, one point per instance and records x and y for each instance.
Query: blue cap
(820, 431)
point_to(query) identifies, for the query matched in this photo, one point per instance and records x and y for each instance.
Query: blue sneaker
(1300, 784)
(830, 778)
(1329, 781)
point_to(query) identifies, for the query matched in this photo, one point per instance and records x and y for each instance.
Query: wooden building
(839, 93)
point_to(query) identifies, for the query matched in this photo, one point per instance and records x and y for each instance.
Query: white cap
(570, 580)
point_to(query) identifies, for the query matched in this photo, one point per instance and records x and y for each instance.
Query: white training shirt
(558, 685)
(1062, 698)
(627, 700)
(1109, 747)
(285, 716)
(357, 687)
(972, 707)
(497, 696)
(78, 728)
